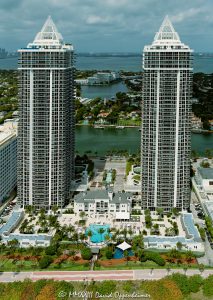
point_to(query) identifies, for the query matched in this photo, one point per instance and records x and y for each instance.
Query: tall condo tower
(166, 114)
(46, 132)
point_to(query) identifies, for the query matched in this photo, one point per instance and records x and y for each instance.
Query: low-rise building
(204, 178)
(116, 205)
(191, 241)
(8, 158)
(103, 78)
(24, 240)
(196, 122)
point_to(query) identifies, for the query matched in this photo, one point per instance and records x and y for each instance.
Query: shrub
(45, 261)
(109, 254)
(208, 286)
(155, 257)
(51, 250)
(86, 253)
(106, 287)
(195, 283)
(182, 282)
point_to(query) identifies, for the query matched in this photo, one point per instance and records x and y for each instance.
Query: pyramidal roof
(49, 34)
(167, 34)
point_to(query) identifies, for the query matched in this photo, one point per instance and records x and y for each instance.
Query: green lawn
(9, 266)
(122, 122)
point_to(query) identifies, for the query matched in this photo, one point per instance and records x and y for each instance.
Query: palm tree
(107, 237)
(160, 211)
(201, 268)
(55, 209)
(89, 234)
(82, 215)
(189, 256)
(185, 268)
(126, 255)
(101, 231)
(179, 245)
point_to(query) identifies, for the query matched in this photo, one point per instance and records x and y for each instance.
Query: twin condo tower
(46, 133)
(166, 121)
(46, 126)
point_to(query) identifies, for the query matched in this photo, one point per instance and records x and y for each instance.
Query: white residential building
(191, 241)
(8, 158)
(166, 126)
(116, 205)
(46, 129)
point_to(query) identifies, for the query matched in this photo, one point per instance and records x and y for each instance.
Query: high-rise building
(166, 117)
(8, 158)
(46, 132)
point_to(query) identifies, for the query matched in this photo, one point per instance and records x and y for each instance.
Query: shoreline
(133, 126)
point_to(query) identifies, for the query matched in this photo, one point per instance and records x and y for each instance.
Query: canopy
(124, 246)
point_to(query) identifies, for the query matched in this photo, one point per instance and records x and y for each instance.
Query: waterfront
(105, 91)
(116, 63)
(103, 140)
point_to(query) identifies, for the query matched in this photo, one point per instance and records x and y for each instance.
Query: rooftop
(49, 34)
(48, 38)
(12, 221)
(188, 222)
(167, 33)
(206, 173)
(91, 196)
(166, 38)
(7, 131)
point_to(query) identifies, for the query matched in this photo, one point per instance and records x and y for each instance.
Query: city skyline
(109, 25)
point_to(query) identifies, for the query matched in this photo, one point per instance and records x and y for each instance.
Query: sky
(107, 25)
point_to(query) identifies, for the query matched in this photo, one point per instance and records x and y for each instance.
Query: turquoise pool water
(98, 237)
(109, 177)
(120, 253)
(137, 170)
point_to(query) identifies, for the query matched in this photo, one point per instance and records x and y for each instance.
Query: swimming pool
(98, 237)
(137, 170)
(120, 253)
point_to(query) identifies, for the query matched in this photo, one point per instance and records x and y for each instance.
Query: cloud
(95, 20)
(192, 12)
(106, 25)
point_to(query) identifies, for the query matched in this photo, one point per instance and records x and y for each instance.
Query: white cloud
(95, 20)
(183, 15)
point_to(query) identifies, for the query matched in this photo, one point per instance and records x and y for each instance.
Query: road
(143, 274)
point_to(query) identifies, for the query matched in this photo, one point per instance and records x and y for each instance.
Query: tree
(89, 233)
(55, 209)
(107, 237)
(86, 253)
(208, 153)
(201, 268)
(175, 211)
(101, 231)
(189, 256)
(51, 250)
(82, 215)
(179, 245)
(13, 243)
(160, 211)
(45, 261)
(109, 254)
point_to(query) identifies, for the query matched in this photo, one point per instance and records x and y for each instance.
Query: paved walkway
(144, 274)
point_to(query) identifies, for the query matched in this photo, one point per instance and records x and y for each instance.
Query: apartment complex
(99, 202)
(166, 115)
(46, 133)
(8, 158)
